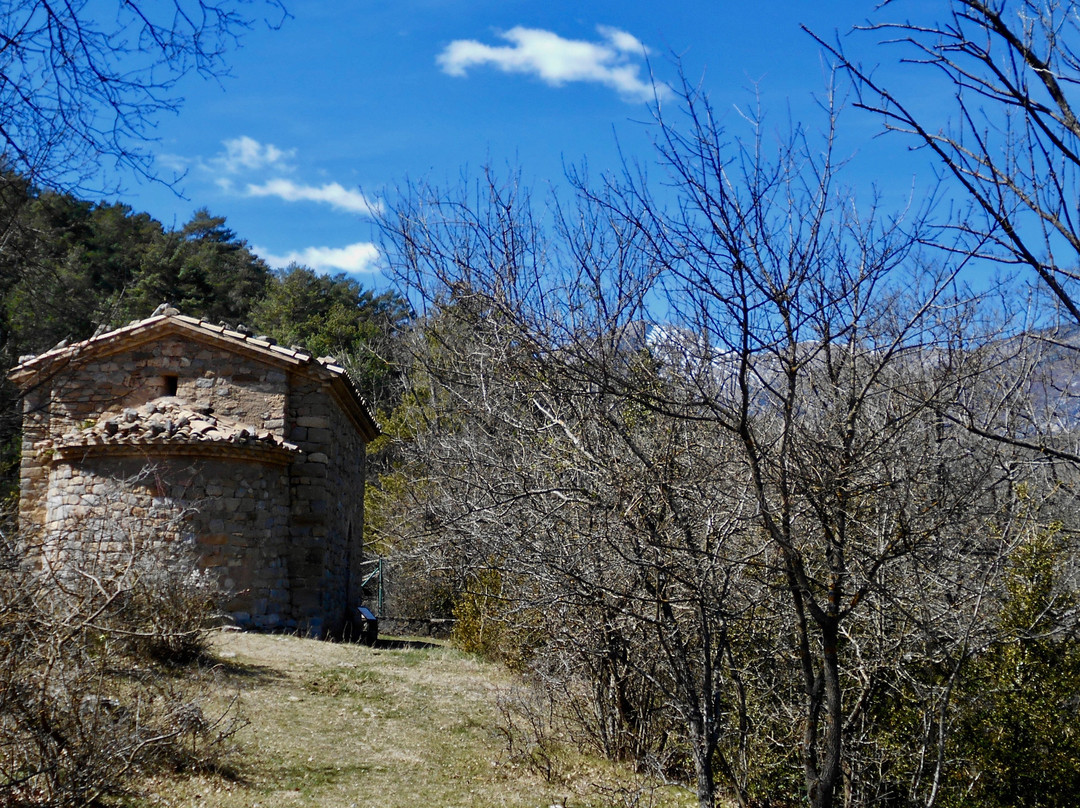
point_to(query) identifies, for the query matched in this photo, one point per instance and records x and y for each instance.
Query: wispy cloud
(557, 61)
(239, 155)
(360, 258)
(248, 168)
(247, 154)
(333, 194)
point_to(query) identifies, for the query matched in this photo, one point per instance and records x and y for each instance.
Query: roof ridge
(304, 358)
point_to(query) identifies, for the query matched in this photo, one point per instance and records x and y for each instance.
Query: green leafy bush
(1019, 725)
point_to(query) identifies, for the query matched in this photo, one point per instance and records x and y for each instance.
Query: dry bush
(85, 705)
(548, 726)
(527, 723)
(172, 607)
(576, 701)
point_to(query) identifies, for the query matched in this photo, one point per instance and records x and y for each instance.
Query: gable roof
(323, 369)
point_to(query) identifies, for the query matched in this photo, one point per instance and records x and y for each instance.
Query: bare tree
(1013, 142)
(83, 83)
(835, 333)
(704, 432)
(591, 528)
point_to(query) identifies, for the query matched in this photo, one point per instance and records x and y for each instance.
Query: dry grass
(405, 724)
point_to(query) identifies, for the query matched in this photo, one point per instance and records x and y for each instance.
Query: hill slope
(398, 725)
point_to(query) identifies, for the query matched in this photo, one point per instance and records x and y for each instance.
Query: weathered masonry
(251, 452)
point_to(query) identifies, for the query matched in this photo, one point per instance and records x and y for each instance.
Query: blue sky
(323, 119)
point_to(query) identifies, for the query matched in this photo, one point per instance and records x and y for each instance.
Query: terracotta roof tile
(170, 421)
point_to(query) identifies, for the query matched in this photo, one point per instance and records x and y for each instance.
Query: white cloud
(556, 60)
(627, 43)
(240, 154)
(359, 258)
(332, 193)
(247, 154)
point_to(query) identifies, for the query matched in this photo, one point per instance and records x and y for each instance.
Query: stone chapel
(251, 452)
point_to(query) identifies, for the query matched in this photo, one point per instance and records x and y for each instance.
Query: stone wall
(327, 507)
(347, 470)
(235, 386)
(234, 513)
(34, 462)
(239, 387)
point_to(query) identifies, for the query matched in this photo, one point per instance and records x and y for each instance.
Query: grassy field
(404, 724)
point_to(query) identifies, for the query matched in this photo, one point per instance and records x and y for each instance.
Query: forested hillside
(70, 268)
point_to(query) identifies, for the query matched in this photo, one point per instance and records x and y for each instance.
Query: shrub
(1019, 735)
(172, 607)
(85, 707)
(490, 620)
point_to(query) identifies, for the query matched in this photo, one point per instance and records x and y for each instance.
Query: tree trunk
(703, 765)
(823, 790)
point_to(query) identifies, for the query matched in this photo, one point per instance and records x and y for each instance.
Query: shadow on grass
(137, 670)
(404, 644)
(262, 674)
(387, 642)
